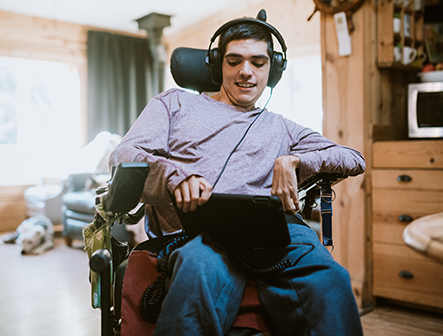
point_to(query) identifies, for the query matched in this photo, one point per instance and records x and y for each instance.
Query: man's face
(245, 70)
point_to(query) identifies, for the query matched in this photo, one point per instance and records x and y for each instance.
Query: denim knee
(204, 291)
(197, 256)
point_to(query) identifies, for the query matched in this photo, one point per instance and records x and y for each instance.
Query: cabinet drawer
(389, 204)
(388, 233)
(407, 179)
(406, 279)
(408, 154)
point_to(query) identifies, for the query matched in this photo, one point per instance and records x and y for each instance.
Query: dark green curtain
(119, 81)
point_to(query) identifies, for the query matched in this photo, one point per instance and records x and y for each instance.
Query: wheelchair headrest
(189, 70)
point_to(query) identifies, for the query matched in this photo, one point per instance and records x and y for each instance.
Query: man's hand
(192, 192)
(284, 182)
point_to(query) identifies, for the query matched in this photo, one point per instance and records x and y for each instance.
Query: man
(196, 144)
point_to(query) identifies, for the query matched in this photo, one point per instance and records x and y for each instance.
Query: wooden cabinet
(407, 183)
(399, 26)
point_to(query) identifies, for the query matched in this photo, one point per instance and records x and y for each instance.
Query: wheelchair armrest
(309, 190)
(316, 180)
(125, 188)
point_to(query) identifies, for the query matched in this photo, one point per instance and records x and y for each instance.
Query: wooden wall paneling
(12, 207)
(349, 87)
(289, 17)
(399, 104)
(30, 37)
(383, 116)
(371, 88)
(381, 125)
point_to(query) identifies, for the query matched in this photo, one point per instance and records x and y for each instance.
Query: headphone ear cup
(278, 65)
(215, 66)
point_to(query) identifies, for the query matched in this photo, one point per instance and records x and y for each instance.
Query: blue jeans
(312, 296)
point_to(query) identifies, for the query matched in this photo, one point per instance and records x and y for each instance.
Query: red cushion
(142, 271)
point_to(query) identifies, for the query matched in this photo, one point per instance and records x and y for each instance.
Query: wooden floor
(392, 320)
(49, 295)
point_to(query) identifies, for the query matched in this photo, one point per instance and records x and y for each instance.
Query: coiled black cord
(155, 293)
(233, 253)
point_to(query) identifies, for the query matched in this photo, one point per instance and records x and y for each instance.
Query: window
(298, 95)
(40, 126)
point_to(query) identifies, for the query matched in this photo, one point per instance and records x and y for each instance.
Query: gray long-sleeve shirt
(180, 134)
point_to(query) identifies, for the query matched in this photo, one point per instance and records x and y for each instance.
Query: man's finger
(184, 187)
(178, 198)
(206, 191)
(194, 193)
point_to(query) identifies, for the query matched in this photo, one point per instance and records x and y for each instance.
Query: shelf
(398, 66)
(388, 39)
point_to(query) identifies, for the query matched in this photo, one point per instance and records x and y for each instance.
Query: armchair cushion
(80, 201)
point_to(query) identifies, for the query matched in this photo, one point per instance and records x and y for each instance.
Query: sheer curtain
(119, 81)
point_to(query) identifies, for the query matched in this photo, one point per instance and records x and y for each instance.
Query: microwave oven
(425, 110)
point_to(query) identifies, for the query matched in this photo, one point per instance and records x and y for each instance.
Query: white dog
(35, 235)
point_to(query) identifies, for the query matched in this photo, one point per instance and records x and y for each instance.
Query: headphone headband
(264, 24)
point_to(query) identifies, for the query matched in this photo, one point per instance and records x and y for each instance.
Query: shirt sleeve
(320, 155)
(148, 141)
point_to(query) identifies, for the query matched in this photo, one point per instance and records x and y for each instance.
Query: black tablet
(240, 220)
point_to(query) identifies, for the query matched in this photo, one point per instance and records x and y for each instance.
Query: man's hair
(245, 31)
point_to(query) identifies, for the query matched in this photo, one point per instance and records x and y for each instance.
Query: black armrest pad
(126, 187)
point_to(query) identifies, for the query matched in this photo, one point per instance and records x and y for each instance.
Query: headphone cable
(241, 140)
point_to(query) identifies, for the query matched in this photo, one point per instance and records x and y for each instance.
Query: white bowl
(431, 76)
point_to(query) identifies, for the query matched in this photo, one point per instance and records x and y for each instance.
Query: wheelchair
(118, 200)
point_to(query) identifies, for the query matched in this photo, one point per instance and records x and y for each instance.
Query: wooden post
(349, 88)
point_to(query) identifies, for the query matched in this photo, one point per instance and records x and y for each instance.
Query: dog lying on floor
(35, 235)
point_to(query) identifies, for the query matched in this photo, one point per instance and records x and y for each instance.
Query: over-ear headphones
(278, 60)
